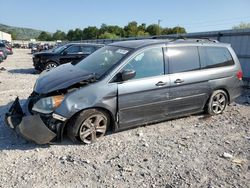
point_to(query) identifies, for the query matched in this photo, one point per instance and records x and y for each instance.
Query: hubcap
(219, 103)
(50, 66)
(93, 128)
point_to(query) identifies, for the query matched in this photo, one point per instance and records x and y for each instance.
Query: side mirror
(128, 74)
(65, 52)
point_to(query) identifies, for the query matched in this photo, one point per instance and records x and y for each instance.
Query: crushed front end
(39, 127)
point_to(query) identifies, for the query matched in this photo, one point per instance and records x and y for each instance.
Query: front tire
(217, 102)
(50, 65)
(88, 126)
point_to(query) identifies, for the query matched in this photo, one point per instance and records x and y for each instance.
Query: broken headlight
(48, 104)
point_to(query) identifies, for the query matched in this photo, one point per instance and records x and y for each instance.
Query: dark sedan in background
(72, 52)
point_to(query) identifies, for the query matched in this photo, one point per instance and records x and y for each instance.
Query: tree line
(132, 29)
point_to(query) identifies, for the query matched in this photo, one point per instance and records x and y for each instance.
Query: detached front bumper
(31, 127)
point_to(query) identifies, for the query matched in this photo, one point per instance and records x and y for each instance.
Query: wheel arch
(111, 116)
(225, 90)
(52, 60)
(216, 89)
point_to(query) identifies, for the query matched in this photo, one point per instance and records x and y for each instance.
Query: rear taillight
(239, 75)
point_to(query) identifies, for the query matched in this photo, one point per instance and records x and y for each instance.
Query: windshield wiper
(91, 79)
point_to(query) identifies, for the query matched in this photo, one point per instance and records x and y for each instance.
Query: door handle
(178, 81)
(161, 83)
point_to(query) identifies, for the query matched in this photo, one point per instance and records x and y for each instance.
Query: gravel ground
(195, 151)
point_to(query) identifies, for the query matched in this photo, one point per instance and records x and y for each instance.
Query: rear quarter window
(212, 57)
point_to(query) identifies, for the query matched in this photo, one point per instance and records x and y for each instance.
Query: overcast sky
(194, 15)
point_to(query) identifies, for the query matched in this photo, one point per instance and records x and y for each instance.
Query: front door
(143, 99)
(71, 54)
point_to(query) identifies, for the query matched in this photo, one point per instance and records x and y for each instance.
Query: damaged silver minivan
(127, 84)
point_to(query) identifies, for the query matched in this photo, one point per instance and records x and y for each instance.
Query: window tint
(183, 59)
(148, 63)
(88, 49)
(215, 57)
(73, 49)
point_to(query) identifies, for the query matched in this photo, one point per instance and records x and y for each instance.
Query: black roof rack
(202, 39)
(175, 38)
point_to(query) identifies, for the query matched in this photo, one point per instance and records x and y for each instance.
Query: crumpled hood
(60, 78)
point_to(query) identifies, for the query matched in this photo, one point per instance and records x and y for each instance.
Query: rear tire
(88, 126)
(217, 102)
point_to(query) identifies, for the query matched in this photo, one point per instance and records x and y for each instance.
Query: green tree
(142, 30)
(78, 34)
(90, 32)
(108, 35)
(113, 29)
(103, 29)
(141, 33)
(59, 35)
(131, 29)
(13, 35)
(166, 31)
(178, 30)
(44, 36)
(142, 27)
(153, 29)
(70, 35)
(242, 25)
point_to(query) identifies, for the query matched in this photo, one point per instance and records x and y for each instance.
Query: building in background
(5, 36)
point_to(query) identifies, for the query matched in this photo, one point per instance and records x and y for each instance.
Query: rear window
(212, 57)
(2, 45)
(182, 59)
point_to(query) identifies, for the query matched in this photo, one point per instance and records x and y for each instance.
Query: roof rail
(202, 39)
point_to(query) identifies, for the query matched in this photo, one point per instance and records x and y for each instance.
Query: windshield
(102, 60)
(59, 49)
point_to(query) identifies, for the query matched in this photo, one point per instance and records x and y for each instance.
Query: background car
(34, 48)
(72, 52)
(16, 45)
(1, 56)
(8, 49)
(4, 50)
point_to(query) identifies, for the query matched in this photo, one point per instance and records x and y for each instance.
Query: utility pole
(178, 30)
(159, 21)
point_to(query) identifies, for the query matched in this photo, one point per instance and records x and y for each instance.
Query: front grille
(36, 60)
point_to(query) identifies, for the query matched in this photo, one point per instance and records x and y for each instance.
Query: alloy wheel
(50, 66)
(219, 103)
(93, 128)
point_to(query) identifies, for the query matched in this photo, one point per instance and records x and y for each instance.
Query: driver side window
(73, 49)
(148, 63)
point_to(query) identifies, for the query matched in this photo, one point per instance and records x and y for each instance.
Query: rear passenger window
(215, 57)
(88, 49)
(183, 59)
